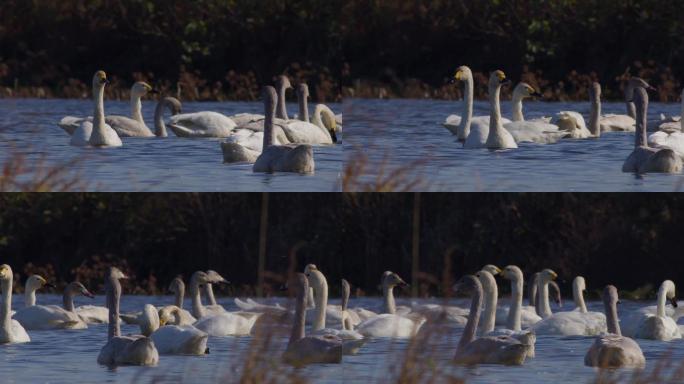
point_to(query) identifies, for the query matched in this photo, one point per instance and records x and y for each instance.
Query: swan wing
(225, 324)
(71, 123)
(302, 132)
(126, 127)
(613, 351)
(201, 124)
(180, 340)
(93, 314)
(42, 317)
(493, 350)
(314, 350)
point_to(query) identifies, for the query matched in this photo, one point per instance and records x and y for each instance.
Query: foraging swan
(301, 349)
(643, 324)
(489, 315)
(673, 139)
(172, 339)
(304, 132)
(175, 315)
(173, 105)
(572, 323)
(390, 324)
(494, 136)
(645, 159)
(123, 350)
(11, 330)
(527, 315)
(43, 317)
(96, 133)
(573, 123)
(487, 349)
(613, 350)
(351, 340)
(532, 131)
(214, 320)
(461, 125)
(201, 124)
(123, 125)
(280, 158)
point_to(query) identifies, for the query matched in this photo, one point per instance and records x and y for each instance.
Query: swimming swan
(301, 349)
(96, 133)
(280, 158)
(531, 131)
(486, 349)
(351, 340)
(673, 140)
(172, 339)
(493, 136)
(654, 326)
(645, 159)
(570, 323)
(613, 350)
(43, 317)
(174, 314)
(488, 316)
(123, 350)
(10, 330)
(123, 125)
(173, 105)
(389, 324)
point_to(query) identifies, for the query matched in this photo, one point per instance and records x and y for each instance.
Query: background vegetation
(624, 239)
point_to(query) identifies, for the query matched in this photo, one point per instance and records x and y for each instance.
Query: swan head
(486, 279)
(173, 104)
(667, 288)
(467, 284)
(116, 273)
(493, 269)
(310, 267)
(167, 314)
(141, 88)
(176, 285)
(5, 272)
(78, 288)
(580, 283)
(283, 82)
(610, 295)
(497, 78)
(270, 99)
(35, 282)
(512, 272)
(151, 321)
(462, 73)
(547, 275)
(524, 90)
(215, 277)
(391, 279)
(100, 79)
(595, 91)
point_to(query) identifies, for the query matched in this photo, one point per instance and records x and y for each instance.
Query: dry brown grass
(19, 174)
(383, 177)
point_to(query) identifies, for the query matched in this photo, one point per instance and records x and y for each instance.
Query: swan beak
(536, 94)
(162, 322)
(673, 301)
(154, 91)
(554, 275)
(50, 285)
(504, 81)
(88, 294)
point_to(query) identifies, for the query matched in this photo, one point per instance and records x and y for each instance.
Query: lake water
(63, 356)
(29, 127)
(408, 135)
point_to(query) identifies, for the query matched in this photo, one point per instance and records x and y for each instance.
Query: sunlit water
(409, 134)
(70, 356)
(29, 127)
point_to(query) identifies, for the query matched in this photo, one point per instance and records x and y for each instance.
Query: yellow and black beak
(673, 301)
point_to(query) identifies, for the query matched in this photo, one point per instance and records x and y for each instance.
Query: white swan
(488, 316)
(461, 125)
(390, 324)
(10, 330)
(123, 125)
(96, 133)
(172, 339)
(614, 350)
(123, 350)
(93, 314)
(172, 314)
(643, 158)
(304, 132)
(351, 340)
(643, 324)
(214, 320)
(672, 139)
(34, 283)
(487, 349)
(528, 314)
(613, 122)
(532, 131)
(493, 136)
(572, 323)
(301, 349)
(573, 123)
(280, 158)
(202, 124)
(42, 317)
(173, 105)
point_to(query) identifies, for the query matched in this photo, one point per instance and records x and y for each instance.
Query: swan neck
(514, 312)
(473, 318)
(68, 300)
(594, 115)
(345, 299)
(281, 112)
(490, 299)
(98, 115)
(159, 125)
(662, 298)
(321, 299)
(30, 297)
(5, 310)
(532, 299)
(467, 116)
(178, 301)
(303, 107)
(300, 316)
(495, 110)
(197, 308)
(269, 135)
(612, 319)
(578, 297)
(517, 110)
(113, 298)
(136, 109)
(640, 139)
(390, 304)
(543, 307)
(209, 291)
